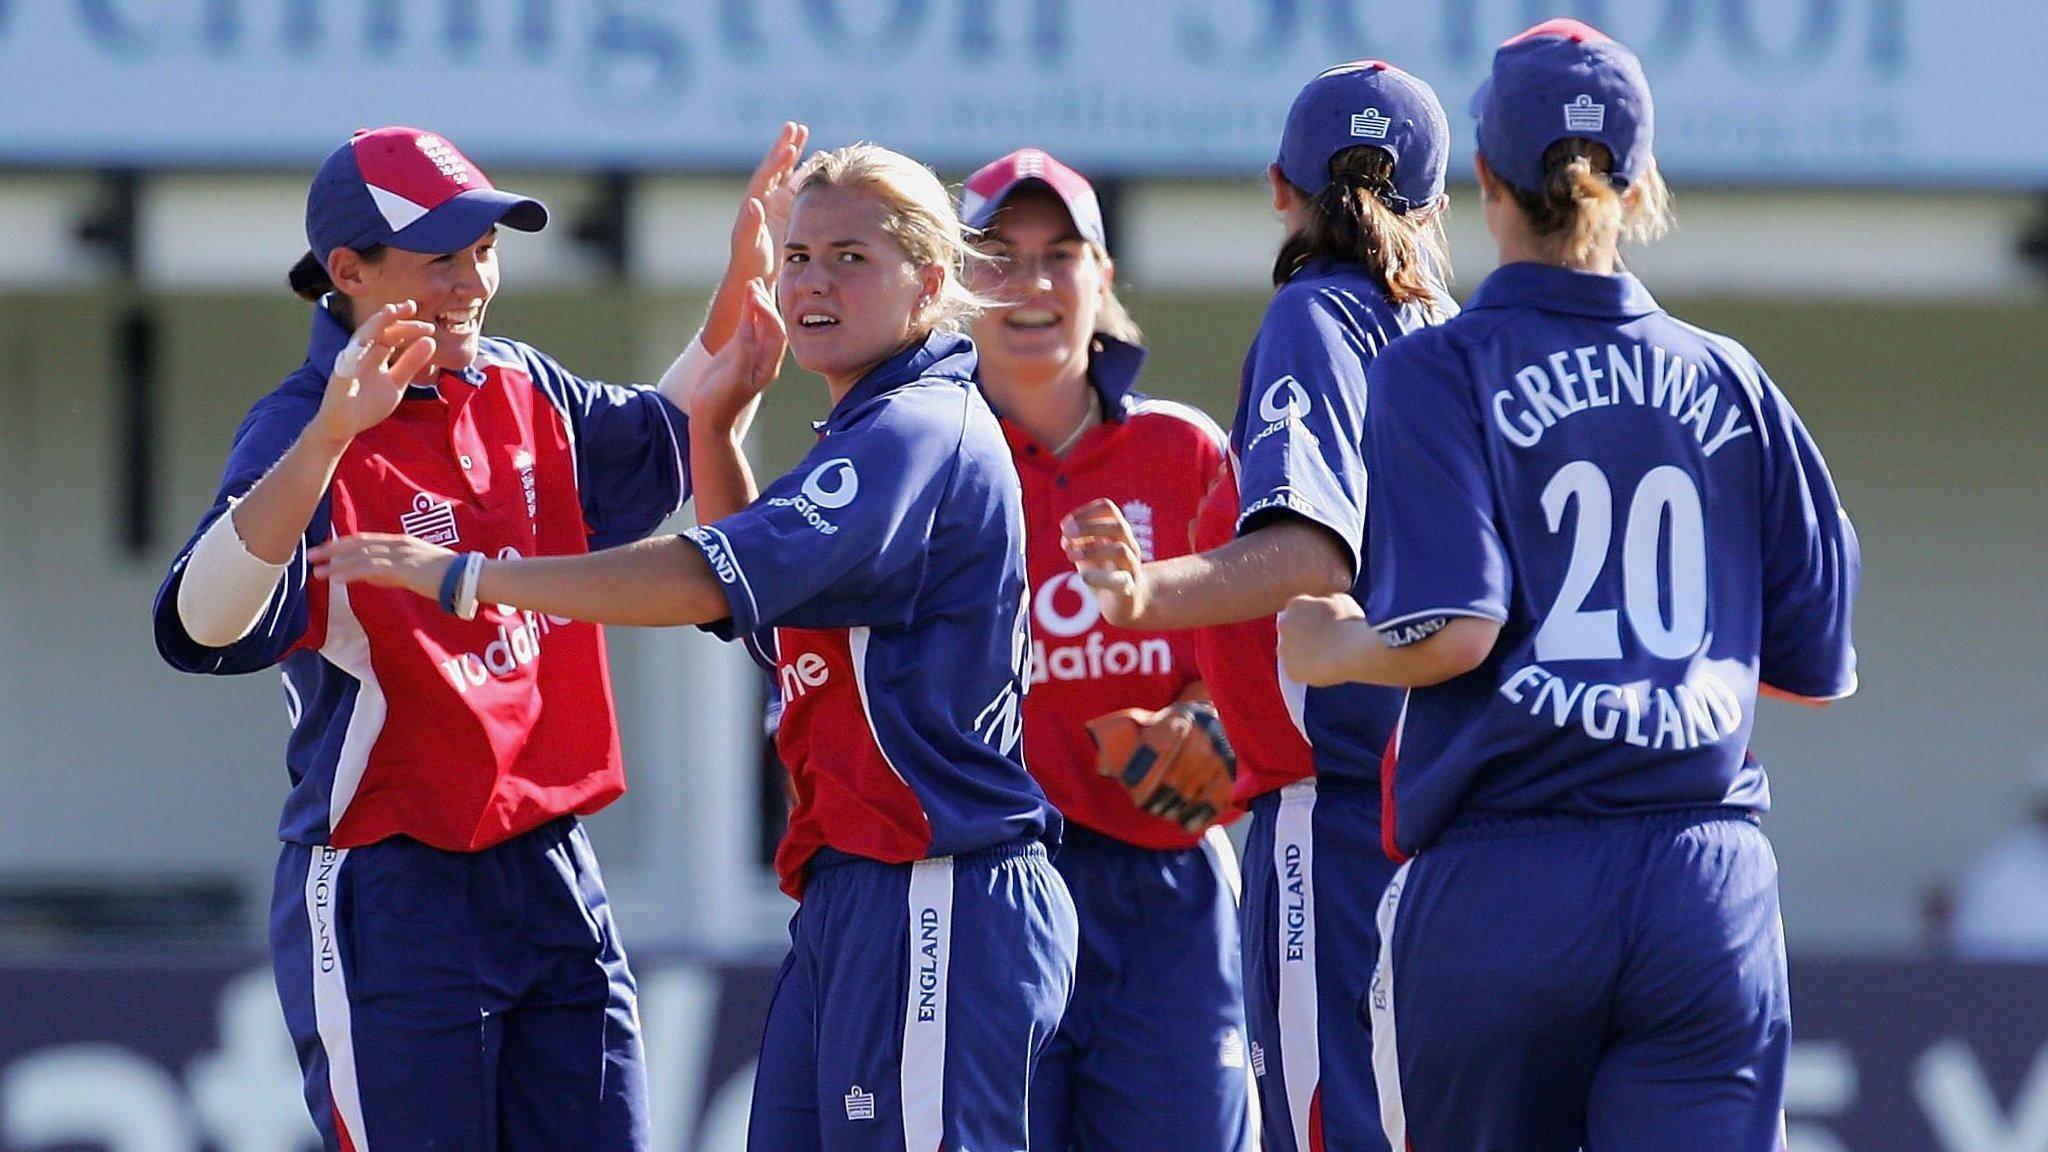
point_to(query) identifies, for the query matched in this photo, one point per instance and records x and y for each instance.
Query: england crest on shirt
(523, 461)
(1139, 515)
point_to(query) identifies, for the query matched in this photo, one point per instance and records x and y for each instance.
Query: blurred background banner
(1805, 91)
(1890, 1057)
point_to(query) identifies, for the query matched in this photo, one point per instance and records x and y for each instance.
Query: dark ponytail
(309, 282)
(308, 279)
(1403, 252)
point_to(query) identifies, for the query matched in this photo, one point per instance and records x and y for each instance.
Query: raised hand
(753, 247)
(1318, 638)
(742, 370)
(384, 559)
(371, 374)
(774, 185)
(757, 233)
(1105, 552)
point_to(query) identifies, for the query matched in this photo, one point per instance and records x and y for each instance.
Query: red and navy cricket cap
(409, 189)
(1373, 103)
(1563, 79)
(990, 185)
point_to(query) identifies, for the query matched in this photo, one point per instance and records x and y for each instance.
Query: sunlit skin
(1288, 203)
(659, 581)
(1518, 242)
(849, 295)
(1252, 576)
(757, 233)
(450, 291)
(1049, 285)
(1326, 640)
(865, 300)
(395, 349)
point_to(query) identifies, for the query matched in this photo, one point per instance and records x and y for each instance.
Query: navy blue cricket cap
(1558, 80)
(1368, 102)
(409, 189)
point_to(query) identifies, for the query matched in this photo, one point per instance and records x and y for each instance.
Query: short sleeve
(1208, 462)
(1812, 565)
(1304, 416)
(842, 539)
(1435, 550)
(631, 446)
(1213, 461)
(269, 430)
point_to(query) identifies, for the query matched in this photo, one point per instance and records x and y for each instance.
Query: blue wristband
(451, 581)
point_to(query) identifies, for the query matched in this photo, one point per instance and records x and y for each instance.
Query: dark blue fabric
(1373, 103)
(846, 537)
(1297, 439)
(490, 1004)
(271, 427)
(831, 1069)
(1113, 368)
(1151, 1056)
(301, 944)
(632, 447)
(905, 524)
(1592, 982)
(1638, 504)
(1567, 81)
(632, 472)
(1348, 871)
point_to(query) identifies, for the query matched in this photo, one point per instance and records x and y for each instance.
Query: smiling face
(849, 295)
(1049, 284)
(452, 290)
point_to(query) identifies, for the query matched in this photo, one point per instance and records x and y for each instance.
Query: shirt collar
(328, 338)
(1113, 367)
(1553, 289)
(1324, 265)
(947, 355)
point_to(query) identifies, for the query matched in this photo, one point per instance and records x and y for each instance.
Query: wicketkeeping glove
(1174, 763)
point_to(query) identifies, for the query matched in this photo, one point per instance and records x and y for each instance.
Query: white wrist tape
(465, 590)
(225, 587)
(688, 369)
(350, 360)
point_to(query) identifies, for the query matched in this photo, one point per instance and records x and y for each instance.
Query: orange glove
(1175, 763)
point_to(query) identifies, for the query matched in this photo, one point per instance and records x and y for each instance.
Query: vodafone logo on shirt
(843, 480)
(797, 677)
(1281, 405)
(830, 486)
(1064, 609)
(1284, 399)
(516, 645)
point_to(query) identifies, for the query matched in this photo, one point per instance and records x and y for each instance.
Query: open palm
(370, 375)
(742, 370)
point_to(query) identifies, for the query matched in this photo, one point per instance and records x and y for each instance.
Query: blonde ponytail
(1579, 207)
